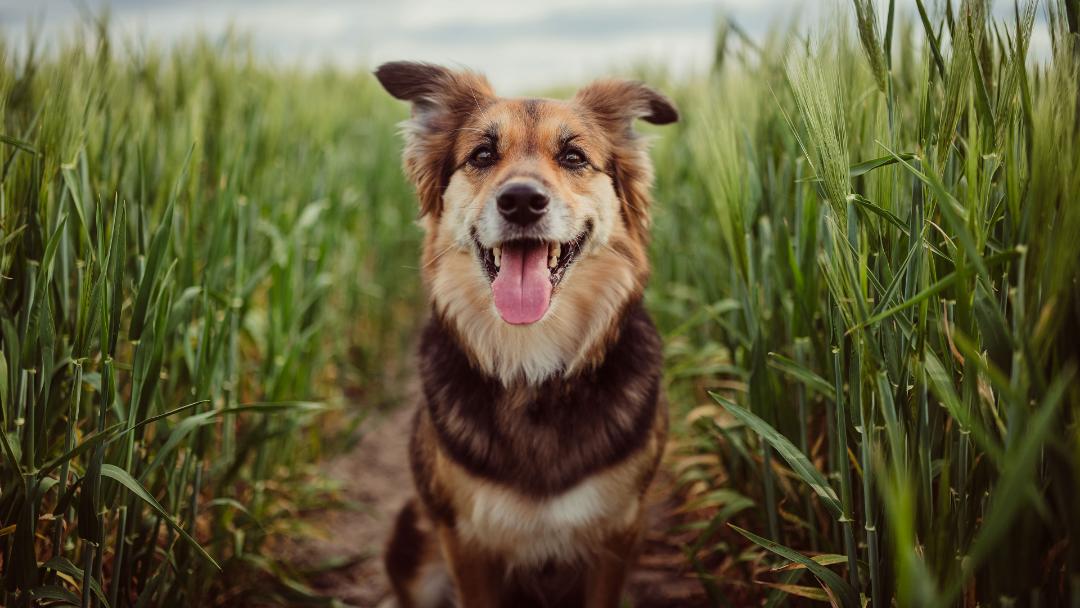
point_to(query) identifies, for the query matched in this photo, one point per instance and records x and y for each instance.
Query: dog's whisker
(440, 254)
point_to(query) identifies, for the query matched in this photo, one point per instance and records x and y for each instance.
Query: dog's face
(536, 210)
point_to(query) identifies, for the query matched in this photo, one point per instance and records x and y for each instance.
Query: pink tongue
(523, 287)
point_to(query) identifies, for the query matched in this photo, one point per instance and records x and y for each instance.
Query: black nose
(522, 204)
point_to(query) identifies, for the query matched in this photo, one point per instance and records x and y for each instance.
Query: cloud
(520, 45)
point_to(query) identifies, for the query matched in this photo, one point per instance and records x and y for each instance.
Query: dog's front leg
(478, 575)
(607, 574)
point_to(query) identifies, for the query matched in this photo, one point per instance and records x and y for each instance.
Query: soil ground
(375, 476)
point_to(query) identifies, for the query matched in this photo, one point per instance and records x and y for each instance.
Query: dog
(542, 421)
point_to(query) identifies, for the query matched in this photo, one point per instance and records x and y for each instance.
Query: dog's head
(536, 210)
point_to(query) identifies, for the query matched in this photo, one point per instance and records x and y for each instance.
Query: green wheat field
(865, 265)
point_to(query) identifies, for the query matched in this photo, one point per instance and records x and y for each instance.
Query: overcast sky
(519, 45)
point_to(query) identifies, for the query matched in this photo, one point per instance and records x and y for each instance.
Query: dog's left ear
(614, 105)
(618, 102)
(441, 100)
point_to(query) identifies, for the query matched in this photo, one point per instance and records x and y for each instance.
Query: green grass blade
(802, 374)
(154, 260)
(844, 592)
(138, 490)
(787, 450)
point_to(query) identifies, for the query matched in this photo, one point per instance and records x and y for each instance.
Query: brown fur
(534, 444)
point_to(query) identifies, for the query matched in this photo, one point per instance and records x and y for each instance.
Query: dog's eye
(482, 157)
(572, 158)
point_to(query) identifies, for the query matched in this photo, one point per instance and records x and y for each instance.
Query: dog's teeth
(497, 251)
(554, 251)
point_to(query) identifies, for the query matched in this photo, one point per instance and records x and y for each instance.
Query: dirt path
(375, 475)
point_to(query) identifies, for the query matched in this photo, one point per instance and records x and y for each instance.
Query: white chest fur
(531, 531)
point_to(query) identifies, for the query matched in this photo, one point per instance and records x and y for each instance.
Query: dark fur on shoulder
(542, 440)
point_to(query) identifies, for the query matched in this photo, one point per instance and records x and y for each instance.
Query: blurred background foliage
(204, 261)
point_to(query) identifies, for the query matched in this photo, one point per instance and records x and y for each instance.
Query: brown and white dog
(541, 424)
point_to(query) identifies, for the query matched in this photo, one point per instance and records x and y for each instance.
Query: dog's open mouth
(523, 274)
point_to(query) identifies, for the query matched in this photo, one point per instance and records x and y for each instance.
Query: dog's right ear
(441, 100)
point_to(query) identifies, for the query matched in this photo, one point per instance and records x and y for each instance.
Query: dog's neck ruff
(542, 439)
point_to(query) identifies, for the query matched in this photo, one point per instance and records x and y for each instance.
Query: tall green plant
(925, 370)
(188, 279)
